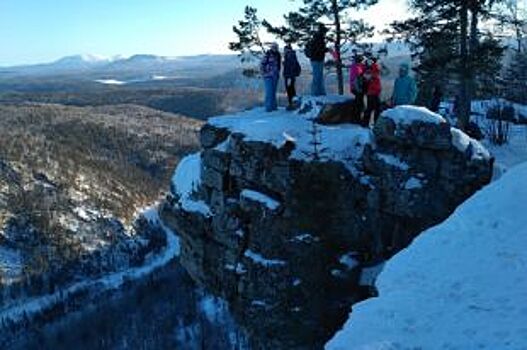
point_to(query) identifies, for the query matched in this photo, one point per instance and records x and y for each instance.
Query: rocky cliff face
(284, 217)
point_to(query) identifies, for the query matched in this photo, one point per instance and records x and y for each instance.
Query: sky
(35, 31)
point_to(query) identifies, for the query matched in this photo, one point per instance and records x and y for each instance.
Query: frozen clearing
(460, 285)
(32, 306)
(110, 82)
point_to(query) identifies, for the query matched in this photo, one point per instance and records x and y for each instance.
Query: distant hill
(134, 67)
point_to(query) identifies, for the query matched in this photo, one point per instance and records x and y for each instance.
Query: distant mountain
(81, 61)
(134, 67)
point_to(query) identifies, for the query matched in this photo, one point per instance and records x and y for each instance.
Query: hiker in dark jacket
(292, 71)
(358, 84)
(316, 51)
(270, 70)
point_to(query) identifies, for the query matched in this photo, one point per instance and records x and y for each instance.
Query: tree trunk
(473, 53)
(519, 38)
(464, 99)
(338, 39)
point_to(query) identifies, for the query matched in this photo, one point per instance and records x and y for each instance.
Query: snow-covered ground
(341, 142)
(461, 285)
(31, 306)
(512, 153)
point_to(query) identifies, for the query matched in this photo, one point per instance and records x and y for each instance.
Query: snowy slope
(512, 153)
(460, 285)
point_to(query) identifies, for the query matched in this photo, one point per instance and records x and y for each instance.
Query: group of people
(270, 69)
(364, 73)
(365, 82)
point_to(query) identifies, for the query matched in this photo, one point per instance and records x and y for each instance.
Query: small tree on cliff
(249, 44)
(344, 32)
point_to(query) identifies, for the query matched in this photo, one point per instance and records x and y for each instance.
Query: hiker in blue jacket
(404, 89)
(292, 71)
(270, 70)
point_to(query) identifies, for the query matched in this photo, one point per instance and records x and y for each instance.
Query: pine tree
(513, 22)
(445, 37)
(248, 32)
(516, 78)
(512, 19)
(434, 51)
(249, 45)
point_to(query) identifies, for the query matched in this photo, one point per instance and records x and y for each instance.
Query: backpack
(297, 68)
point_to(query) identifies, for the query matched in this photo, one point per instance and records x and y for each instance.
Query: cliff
(288, 219)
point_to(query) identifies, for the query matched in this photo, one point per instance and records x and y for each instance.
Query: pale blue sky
(34, 31)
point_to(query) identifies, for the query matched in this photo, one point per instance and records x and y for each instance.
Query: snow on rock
(213, 308)
(349, 260)
(369, 274)
(305, 238)
(507, 155)
(413, 183)
(259, 259)
(393, 161)
(410, 114)
(460, 285)
(462, 142)
(186, 181)
(270, 203)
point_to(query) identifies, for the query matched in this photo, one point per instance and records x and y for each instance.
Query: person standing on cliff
(373, 91)
(357, 86)
(316, 51)
(270, 69)
(404, 89)
(292, 71)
